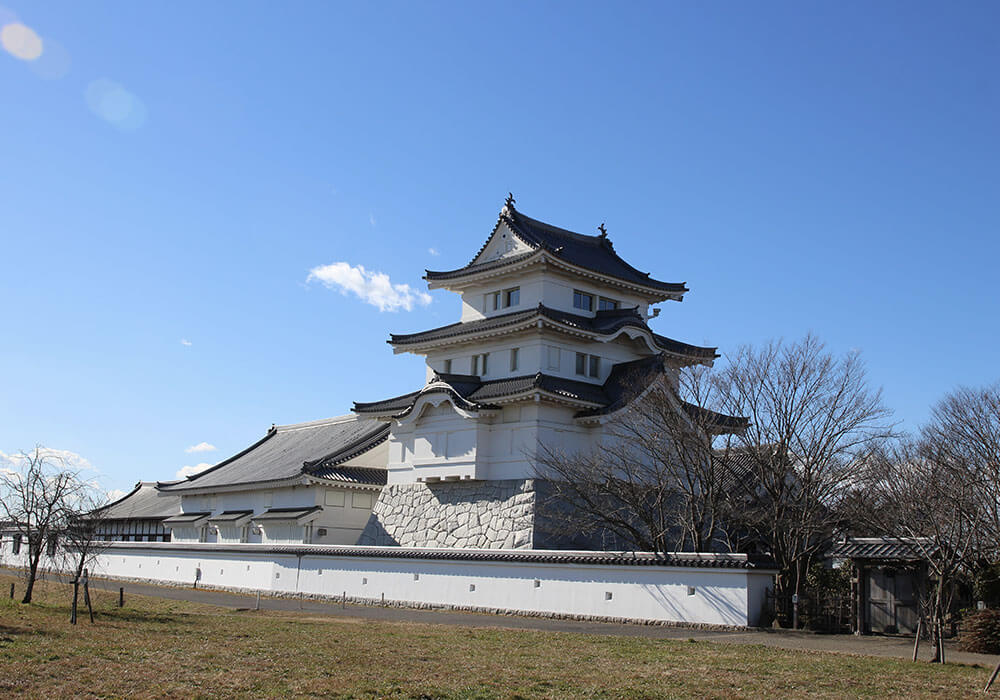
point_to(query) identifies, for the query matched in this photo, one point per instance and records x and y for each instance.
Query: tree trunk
(34, 554)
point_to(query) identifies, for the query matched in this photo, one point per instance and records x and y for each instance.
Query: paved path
(893, 647)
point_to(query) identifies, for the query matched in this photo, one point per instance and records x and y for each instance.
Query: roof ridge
(345, 418)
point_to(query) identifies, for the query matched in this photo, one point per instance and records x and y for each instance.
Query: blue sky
(172, 172)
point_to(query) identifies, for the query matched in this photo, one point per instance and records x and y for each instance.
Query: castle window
(492, 301)
(582, 300)
(479, 364)
(604, 304)
(513, 359)
(447, 366)
(588, 365)
(553, 353)
(512, 297)
(16, 544)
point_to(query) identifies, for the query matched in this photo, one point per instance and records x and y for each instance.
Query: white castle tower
(553, 339)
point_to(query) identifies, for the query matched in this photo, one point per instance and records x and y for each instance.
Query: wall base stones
(478, 514)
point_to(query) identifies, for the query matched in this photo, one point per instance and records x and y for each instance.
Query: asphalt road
(893, 647)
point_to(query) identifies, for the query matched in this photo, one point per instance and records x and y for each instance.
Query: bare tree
(941, 491)
(36, 497)
(653, 480)
(813, 424)
(932, 509)
(962, 438)
(82, 539)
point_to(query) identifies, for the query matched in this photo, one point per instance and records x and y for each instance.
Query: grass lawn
(162, 648)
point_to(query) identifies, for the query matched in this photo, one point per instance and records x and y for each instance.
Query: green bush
(981, 632)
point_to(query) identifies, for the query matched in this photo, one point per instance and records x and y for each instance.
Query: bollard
(121, 596)
(257, 607)
(383, 600)
(12, 591)
(343, 601)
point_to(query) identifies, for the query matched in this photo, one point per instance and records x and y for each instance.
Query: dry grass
(162, 648)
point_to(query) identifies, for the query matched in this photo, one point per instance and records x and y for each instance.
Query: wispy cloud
(371, 220)
(200, 447)
(190, 470)
(115, 494)
(64, 458)
(433, 251)
(185, 342)
(373, 288)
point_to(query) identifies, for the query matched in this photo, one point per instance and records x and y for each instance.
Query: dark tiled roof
(884, 548)
(230, 516)
(758, 562)
(289, 451)
(186, 518)
(144, 502)
(594, 253)
(603, 323)
(363, 476)
(709, 418)
(286, 513)
(474, 393)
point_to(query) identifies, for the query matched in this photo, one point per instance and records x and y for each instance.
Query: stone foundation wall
(479, 514)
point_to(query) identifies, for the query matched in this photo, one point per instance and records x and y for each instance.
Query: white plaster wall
(533, 355)
(719, 596)
(343, 519)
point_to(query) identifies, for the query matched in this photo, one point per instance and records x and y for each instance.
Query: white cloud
(433, 251)
(185, 342)
(373, 288)
(115, 494)
(61, 458)
(191, 470)
(371, 220)
(200, 447)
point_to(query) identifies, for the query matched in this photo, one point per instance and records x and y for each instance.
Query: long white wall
(681, 594)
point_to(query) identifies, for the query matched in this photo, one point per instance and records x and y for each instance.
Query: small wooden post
(257, 606)
(996, 672)
(121, 596)
(12, 591)
(343, 601)
(86, 595)
(383, 600)
(916, 642)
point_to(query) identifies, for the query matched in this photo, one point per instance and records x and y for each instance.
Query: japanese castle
(553, 340)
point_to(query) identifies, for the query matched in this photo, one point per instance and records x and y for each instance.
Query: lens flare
(20, 41)
(116, 105)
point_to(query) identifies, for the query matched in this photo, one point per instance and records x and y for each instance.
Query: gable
(501, 244)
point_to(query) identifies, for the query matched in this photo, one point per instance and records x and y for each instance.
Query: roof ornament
(604, 231)
(508, 205)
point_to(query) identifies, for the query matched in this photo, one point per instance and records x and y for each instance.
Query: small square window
(494, 300)
(604, 304)
(447, 366)
(484, 357)
(475, 365)
(513, 359)
(512, 297)
(582, 300)
(553, 353)
(581, 363)
(595, 366)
